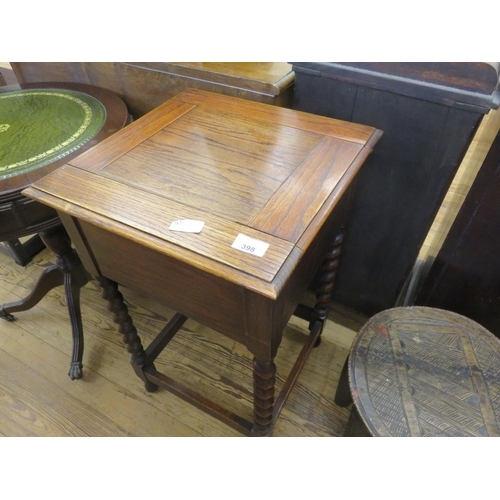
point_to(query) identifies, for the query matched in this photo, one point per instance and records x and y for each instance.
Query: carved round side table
(43, 126)
(419, 371)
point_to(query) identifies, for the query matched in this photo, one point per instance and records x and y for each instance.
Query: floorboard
(37, 398)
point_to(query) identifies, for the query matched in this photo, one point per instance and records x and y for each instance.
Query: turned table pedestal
(42, 126)
(225, 210)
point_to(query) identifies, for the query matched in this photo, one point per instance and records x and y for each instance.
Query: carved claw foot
(5, 315)
(75, 370)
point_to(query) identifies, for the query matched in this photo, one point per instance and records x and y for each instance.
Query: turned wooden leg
(74, 277)
(326, 282)
(263, 387)
(72, 290)
(121, 317)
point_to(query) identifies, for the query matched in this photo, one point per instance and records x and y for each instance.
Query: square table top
(269, 173)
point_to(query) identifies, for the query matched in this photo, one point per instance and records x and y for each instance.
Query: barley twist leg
(126, 328)
(264, 380)
(326, 282)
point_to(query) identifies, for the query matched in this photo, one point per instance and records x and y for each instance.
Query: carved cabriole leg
(326, 281)
(75, 277)
(49, 279)
(126, 327)
(72, 289)
(263, 388)
(69, 271)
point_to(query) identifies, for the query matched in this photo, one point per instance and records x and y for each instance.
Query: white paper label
(187, 226)
(249, 245)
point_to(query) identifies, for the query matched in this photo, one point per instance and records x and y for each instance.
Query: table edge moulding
(248, 299)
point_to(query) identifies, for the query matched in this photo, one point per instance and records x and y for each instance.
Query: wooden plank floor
(37, 398)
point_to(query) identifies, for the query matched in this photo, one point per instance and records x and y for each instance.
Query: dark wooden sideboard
(465, 276)
(144, 86)
(429, 113)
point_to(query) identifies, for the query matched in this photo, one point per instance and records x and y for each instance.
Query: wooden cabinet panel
(145, 86)
(465, 276)
(429, 113)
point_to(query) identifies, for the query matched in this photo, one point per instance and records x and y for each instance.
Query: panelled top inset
(243, 167)
(222, 162)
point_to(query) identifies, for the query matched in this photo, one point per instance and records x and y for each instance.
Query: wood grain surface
(146, 85)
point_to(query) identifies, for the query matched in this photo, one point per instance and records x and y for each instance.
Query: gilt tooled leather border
(87, 120)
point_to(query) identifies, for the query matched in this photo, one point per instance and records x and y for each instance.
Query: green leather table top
(40, 126)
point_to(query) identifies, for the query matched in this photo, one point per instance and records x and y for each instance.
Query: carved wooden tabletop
(422, 371)
(263, 180)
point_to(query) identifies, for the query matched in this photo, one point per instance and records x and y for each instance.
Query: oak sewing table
(224, 209)
(42, 126)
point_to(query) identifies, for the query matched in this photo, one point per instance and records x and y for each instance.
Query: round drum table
(43, 126)
(421, 371)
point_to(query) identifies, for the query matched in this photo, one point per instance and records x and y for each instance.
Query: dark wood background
(465, 276)
(429, 113)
